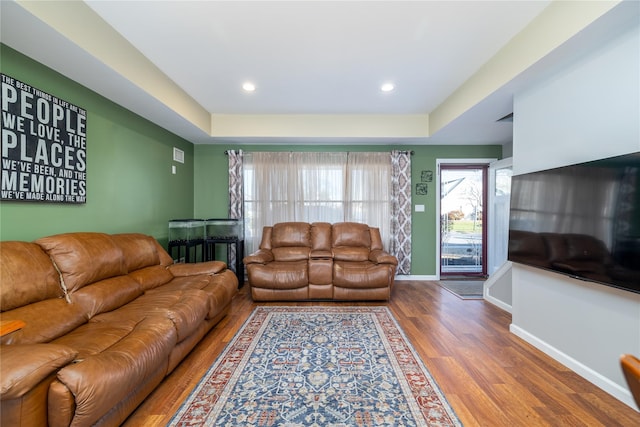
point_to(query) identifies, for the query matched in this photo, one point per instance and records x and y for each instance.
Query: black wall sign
(44, 146)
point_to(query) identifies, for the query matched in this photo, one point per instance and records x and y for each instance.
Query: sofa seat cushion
(362, 275)
(44, 321)
(353, 254)
(291, 253)
(187, 309)
(220, 288)
(279, 275)
(100, 382)
(107, 295)
(207, 267)
(184, 283)
(24, 366)
(201, 283)
(95, 337)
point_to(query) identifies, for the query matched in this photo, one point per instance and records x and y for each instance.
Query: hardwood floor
(489, 376)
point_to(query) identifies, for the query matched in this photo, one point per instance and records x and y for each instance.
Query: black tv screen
(581, 220)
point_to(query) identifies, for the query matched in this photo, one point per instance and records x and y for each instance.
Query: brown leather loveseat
(302, 261)
(106, 318)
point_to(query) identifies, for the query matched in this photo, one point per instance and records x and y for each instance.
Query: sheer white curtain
(368, 191)
(319, 179)
(315, 186)
(266, 194)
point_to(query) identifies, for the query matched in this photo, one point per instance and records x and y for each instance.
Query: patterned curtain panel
(235, 198)
(401, 209)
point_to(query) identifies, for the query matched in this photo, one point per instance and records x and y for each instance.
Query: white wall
(590, 109)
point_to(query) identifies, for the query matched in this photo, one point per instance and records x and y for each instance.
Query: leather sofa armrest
(23, 366)
(261, 256)
(382, 257)
(195, 269)
(320, 254)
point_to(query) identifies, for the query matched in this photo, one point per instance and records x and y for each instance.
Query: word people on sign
(44, 146)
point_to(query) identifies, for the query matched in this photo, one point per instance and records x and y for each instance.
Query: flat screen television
(581, 220)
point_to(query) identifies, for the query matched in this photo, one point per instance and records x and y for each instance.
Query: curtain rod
(406, 151)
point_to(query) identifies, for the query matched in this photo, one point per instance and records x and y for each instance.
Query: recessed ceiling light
(387, 87)
(249, 87)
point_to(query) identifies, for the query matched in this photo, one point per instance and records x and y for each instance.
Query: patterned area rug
(317, 366)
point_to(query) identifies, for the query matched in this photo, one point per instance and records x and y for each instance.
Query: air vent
(178, 155)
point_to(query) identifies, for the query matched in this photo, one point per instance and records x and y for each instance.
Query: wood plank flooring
(489, 376)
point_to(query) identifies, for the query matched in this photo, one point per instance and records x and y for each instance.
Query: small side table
(210, 253)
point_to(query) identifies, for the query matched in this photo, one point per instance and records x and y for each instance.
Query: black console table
(209, 253)
(186, 245)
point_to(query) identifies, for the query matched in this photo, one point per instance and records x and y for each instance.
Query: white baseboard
(584, 371)
(495, 301)
(401, 277)
(492, 280)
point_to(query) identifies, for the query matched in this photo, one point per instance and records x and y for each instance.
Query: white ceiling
(318, 57)
(305, 57)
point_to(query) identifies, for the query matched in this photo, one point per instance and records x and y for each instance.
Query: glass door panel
(463, 234)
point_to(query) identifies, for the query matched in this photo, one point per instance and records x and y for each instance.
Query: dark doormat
(465, 289)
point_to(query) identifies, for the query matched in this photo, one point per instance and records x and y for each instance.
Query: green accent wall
(212, 199)
(130, 187)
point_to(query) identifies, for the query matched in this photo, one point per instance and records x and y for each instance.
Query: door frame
(439, 162)
(491, 241)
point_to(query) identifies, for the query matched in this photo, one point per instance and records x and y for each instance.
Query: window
(316, 187)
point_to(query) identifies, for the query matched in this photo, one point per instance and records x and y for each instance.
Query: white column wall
(588, 110)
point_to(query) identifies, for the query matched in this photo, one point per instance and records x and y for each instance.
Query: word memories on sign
(44, 146)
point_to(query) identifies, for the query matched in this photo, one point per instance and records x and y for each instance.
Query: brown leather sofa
(302, 261)
(106, 318)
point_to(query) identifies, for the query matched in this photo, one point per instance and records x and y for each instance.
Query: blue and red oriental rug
(317, 366)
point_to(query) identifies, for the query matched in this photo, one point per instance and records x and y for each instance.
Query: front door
(463, 235)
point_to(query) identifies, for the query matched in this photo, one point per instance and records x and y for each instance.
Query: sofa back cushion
(351, 234)
(151, 277)
(321, 236)
(163, 255)
(291, 241)
(351, 241)
(44, 321)
(27, 275)
(84, 258)
(291, 234)
(138, 250)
